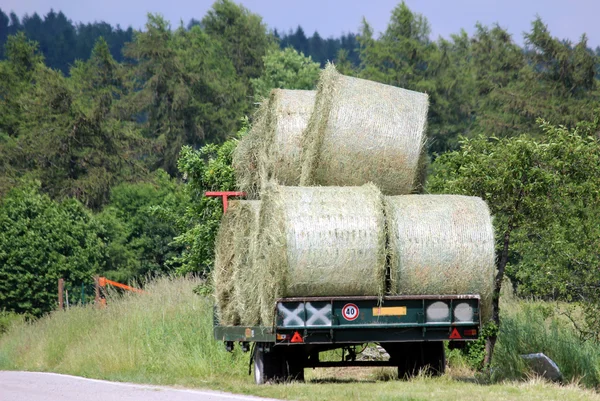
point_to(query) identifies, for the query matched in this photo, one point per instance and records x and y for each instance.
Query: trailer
(412, 329)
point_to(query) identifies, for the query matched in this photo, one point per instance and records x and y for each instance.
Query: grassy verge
(165, 337)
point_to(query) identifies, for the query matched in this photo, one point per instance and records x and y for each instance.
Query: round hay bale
(320, 241)
(363, 131)
(247, 153)
(289, 112)
(441, 245)
(231, 255)
(245, 278)
(272, 148)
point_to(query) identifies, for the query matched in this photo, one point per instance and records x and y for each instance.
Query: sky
(566, 19)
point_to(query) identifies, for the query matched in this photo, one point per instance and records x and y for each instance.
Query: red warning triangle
(297, 338)
(454, 336)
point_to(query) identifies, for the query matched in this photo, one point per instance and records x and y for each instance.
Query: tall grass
(163, 336)
(531, 327)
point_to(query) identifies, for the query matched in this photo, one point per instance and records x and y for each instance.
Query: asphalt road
(30, 386)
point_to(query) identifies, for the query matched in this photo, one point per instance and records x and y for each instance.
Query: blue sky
(567, 19)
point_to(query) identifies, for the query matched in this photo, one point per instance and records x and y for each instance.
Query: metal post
(61, 288)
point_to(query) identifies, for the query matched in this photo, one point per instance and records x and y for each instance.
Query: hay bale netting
(441, 245)
(363, 131)
(231, 254)
(320, 241)
(272, 148)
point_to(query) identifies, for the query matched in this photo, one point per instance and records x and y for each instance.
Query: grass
(165, 337)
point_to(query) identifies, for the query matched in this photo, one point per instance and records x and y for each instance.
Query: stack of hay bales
(320, 163)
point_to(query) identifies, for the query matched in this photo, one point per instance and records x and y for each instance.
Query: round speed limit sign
(350, 312)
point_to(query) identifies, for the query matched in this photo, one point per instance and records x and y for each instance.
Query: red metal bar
(224, 196)
(103, 281)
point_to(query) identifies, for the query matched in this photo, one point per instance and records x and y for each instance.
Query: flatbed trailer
(411, 328)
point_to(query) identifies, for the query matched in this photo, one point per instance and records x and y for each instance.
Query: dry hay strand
(363, 131)
(245, 278)
(320, 241)
(289, 112)
(441, 245)
(272, 148)
(231, 252)
(247, 153)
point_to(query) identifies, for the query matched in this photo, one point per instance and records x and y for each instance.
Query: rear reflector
(470, 332)
(281, 337)
(297, 338)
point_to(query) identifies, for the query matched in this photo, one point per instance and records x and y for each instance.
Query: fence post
(61, 289)
(97, 291)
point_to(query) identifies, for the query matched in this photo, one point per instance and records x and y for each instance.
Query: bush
(42, 240)
(532, 327)
(8, 319)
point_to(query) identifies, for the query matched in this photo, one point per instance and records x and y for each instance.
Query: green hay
(272, 148)
(321, 241)
(232, 250)
(362, 131)
(441, 245)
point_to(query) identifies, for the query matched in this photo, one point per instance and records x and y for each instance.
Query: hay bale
(441, 244)
(320, 241)
(232, 256)
(289, 113)
(363, 131)
(245, 277)
(247, 153)
(272, 148)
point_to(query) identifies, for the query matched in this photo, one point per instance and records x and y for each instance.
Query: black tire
(294, 360)
(267, 365)
(414, 357)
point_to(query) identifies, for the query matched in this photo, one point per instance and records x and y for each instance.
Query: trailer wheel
(414, 357)
(267, 365)
(293, 364)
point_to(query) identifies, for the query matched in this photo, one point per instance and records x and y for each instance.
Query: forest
(109, 138)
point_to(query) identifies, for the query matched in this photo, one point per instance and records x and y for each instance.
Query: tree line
(103, 165)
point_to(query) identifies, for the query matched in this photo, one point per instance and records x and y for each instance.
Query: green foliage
(207, 169)
(16, 74)
(242, 34)
(545, 196)
(186, 91)
(41, 241)
(72, 139)
(8, 320)
(534, 327)
(139, 225)
(285, 69)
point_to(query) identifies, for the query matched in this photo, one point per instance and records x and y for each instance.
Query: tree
(535, 189)
(285, 69)
(72, 138)
(207, 169)
(16, 74)
(139, 225)
(41, 241)
(187, 92)
(242, 34)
